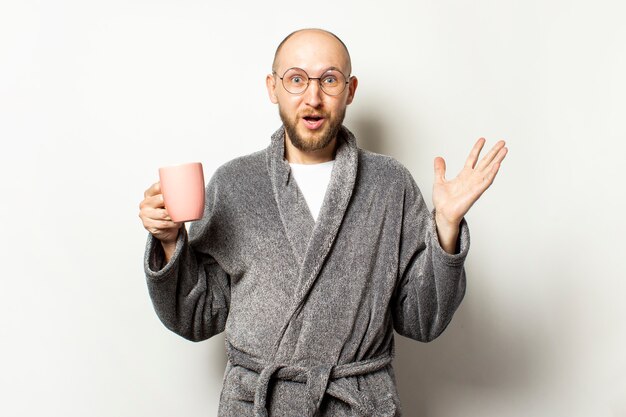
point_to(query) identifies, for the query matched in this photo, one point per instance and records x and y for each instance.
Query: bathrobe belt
(319, 379)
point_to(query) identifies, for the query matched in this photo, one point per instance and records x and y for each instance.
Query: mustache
(314, 114)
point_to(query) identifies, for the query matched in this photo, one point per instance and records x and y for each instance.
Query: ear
(270, 83)
(352, 85)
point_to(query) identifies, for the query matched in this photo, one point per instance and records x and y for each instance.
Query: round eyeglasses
(296, 81)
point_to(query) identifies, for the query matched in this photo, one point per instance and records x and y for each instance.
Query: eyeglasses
(296, 81)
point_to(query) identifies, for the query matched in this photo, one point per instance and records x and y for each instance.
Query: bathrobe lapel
(292, 206)
(311, 241)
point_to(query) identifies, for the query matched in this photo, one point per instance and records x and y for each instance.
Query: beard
(320, 139)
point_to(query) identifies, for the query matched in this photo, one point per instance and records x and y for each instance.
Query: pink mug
(183, 191)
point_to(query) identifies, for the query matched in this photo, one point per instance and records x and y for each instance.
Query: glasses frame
(319, 82)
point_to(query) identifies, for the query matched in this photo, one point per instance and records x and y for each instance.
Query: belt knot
(320, 380)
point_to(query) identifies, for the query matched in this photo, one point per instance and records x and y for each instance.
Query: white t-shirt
(313, 179)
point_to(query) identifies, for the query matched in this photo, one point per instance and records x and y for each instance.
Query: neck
(296, 156)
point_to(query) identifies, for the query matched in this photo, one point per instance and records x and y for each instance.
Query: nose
(313, 94)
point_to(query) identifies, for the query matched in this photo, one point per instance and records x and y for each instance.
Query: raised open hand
(453, 199)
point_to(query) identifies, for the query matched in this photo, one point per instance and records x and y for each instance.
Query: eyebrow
(333, 68)
(325, 70)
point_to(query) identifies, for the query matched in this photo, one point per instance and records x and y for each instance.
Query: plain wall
(96, 95)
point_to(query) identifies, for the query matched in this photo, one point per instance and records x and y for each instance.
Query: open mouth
(313, 121)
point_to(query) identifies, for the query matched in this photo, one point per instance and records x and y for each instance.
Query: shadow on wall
(218, 358)
(369, 132)
(471, 355)
(467, 358)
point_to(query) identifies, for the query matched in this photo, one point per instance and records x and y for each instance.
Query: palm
(453, 198)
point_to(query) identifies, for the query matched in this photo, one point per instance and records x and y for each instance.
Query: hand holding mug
(155, 217)
(178, 197)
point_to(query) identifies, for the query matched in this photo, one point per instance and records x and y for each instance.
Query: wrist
(168, 250)
(444, 224)
(447, 233)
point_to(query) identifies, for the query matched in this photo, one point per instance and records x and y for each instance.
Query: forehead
(314, 52)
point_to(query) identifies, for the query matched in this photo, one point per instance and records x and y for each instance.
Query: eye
(330, 79)
(296, 79)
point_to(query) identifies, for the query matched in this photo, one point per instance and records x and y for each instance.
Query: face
(312, 118)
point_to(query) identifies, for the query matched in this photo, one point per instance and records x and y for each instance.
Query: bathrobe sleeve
(431, 282)
(191, 293)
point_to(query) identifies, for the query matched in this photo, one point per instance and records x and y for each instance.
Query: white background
(96, 95)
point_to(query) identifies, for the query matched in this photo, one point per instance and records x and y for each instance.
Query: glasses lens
(295, 80)
(333, 82)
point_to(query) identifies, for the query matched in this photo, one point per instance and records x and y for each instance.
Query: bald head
(297, 42)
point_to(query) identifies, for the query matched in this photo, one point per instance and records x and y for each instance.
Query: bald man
(312, 251)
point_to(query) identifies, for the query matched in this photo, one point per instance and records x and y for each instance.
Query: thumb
(440, 169)
(153, 190)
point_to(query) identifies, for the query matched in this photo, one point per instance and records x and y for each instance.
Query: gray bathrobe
(308, 307)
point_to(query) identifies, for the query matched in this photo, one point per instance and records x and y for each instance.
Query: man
(310, 285)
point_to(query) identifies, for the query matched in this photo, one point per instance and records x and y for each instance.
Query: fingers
(488, 159)
(440, 169)
(157, 214)
(158, 222)
(153, 205)
(495, 166)
(159, 225)
(153, 190)
(470, 162)
(491, 175)
(501, 154)
(155, 201)
(155, 217)
(164, 230)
